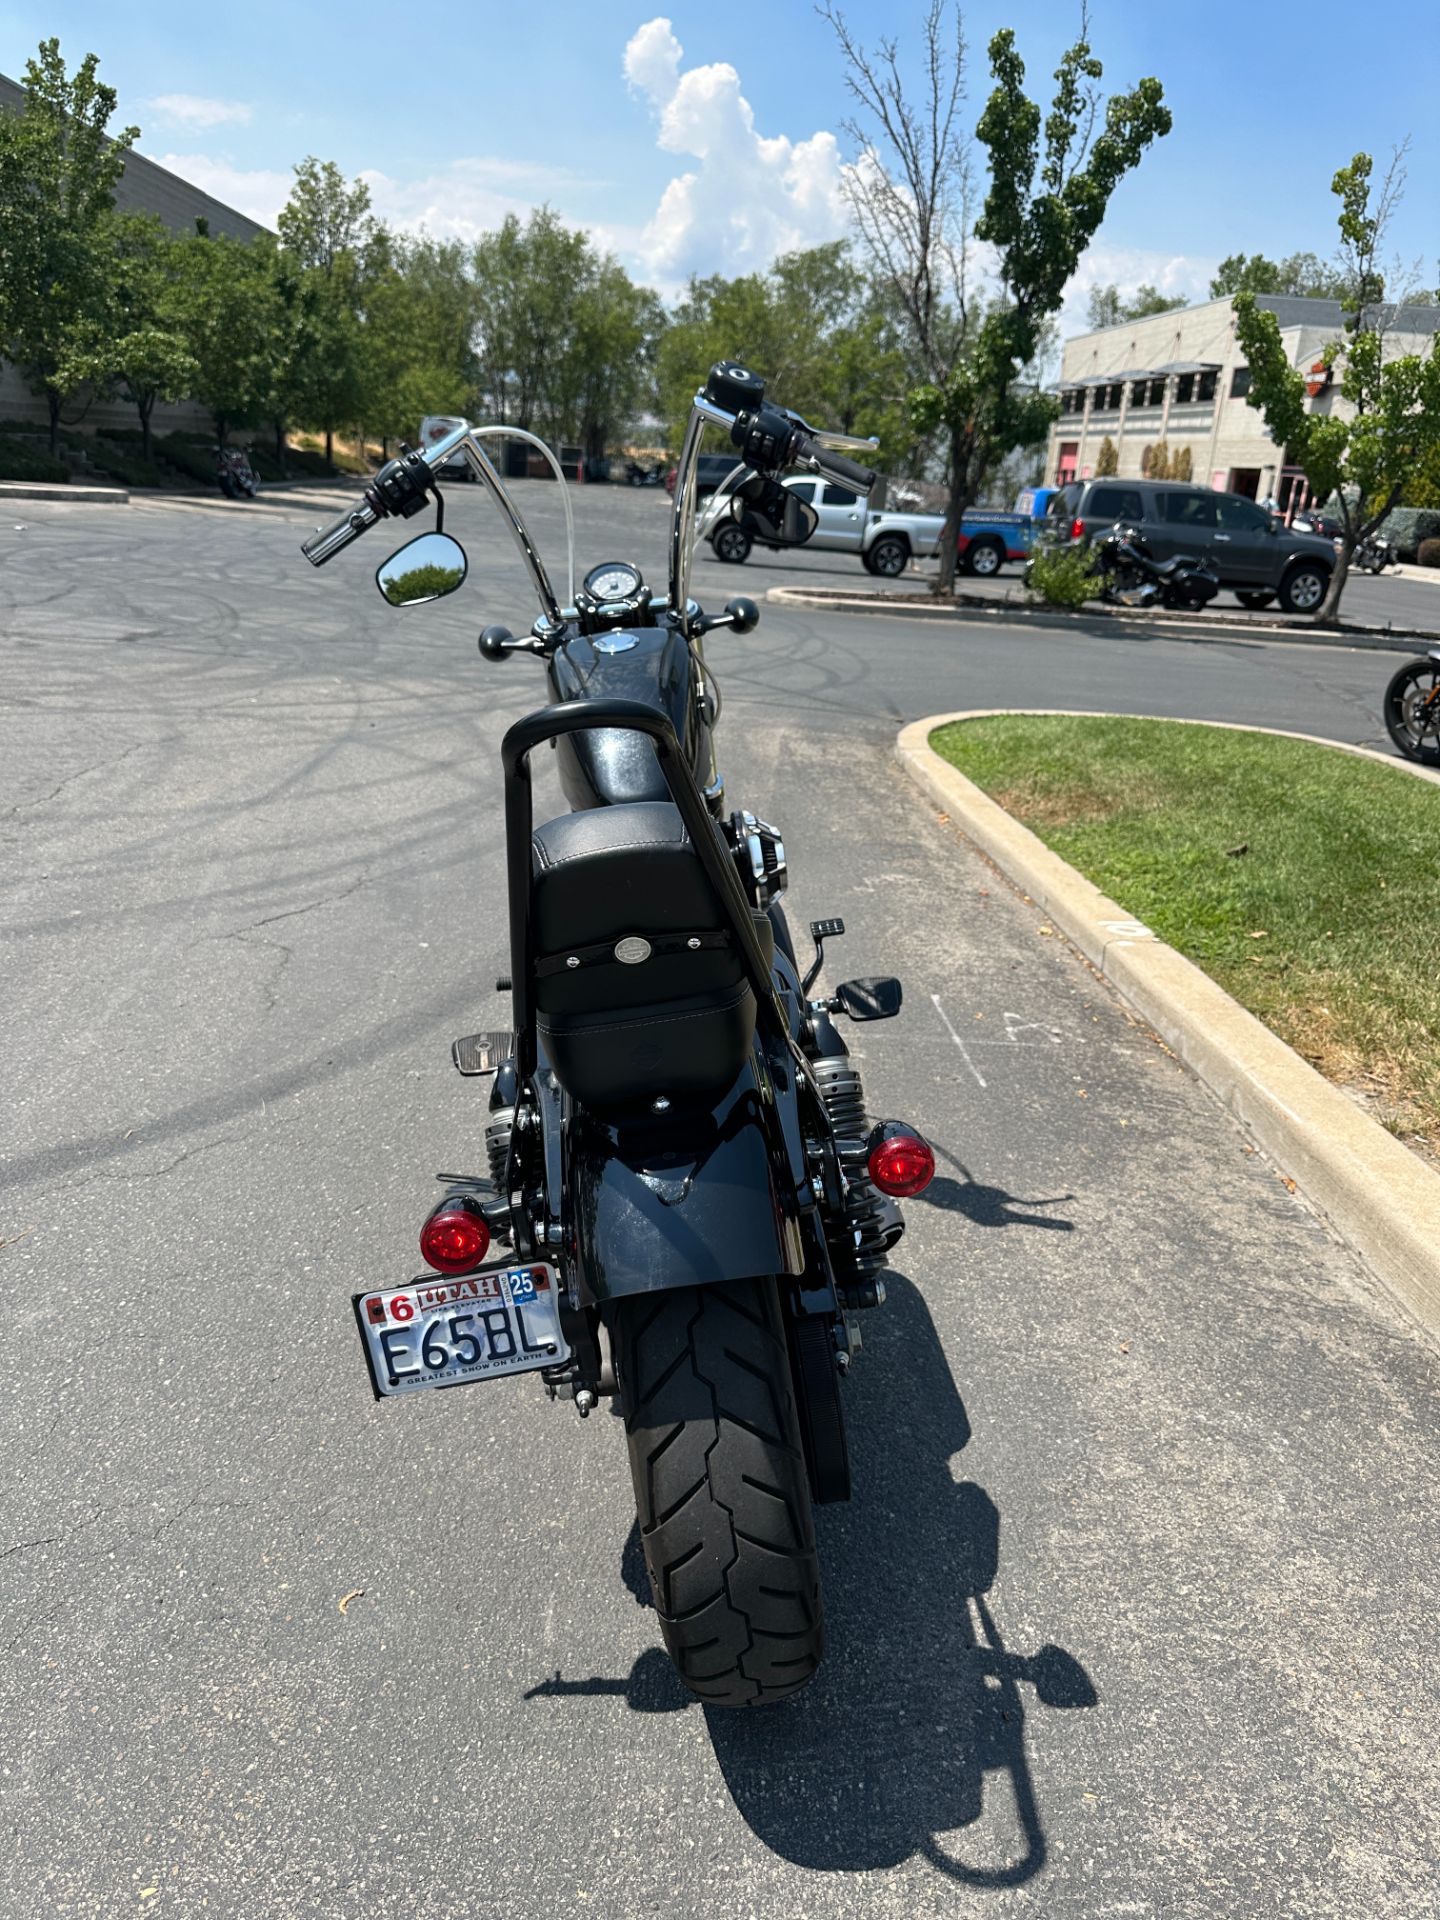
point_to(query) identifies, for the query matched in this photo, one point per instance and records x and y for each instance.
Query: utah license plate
(441, 1333)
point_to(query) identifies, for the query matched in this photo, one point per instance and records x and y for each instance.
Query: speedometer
(612, 580)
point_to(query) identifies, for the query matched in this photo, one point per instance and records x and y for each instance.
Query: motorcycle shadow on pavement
(914, 1729)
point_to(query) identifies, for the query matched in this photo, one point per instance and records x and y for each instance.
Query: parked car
(710, 470)
(988, 539)
(1256, 559)
(433, 428)
(885, 542)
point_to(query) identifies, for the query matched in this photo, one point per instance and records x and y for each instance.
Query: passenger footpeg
(481, 1052)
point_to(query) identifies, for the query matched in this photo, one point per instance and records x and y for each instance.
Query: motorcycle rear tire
(1406, 701)
(721, 1490)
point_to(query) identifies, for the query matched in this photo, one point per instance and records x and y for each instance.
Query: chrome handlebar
(399, 489)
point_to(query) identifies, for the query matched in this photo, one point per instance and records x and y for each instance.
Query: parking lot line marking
(964, 1050)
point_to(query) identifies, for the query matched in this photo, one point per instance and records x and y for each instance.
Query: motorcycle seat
(640, 989)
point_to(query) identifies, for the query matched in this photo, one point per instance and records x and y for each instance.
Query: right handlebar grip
(845, 473)
(326, 542)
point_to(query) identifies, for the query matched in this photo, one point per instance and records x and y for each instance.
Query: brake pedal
(481, 1052)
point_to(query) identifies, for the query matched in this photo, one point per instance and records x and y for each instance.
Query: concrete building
(1180, 377)
(142, 188)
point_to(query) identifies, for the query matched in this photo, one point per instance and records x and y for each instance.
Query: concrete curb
(1381, 1199)
(1095, 619)
(59, 490)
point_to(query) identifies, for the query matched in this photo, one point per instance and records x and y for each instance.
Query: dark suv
(710, 470)
(1254, 555)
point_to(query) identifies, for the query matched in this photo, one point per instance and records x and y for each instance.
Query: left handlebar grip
(326, 542)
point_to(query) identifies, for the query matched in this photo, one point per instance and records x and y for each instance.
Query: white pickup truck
(885, 542)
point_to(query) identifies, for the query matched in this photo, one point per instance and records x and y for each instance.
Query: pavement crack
(25, 806)
(293, 913)
(24, 1546)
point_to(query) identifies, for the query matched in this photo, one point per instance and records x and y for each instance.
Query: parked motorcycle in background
(1131, 576)
(637, 474)
(1412, 709)
(1375, 553)
(237, 477)
(689, 1207)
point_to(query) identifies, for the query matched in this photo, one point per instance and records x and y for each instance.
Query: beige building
(1180, 377)
(142, 188)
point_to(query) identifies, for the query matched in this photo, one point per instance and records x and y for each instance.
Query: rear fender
(687, 1198)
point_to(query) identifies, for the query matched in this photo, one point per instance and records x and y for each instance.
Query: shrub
(1063, 576)
(1408, 526)
(119, 463)
(1428, 553)
(1107, 460)
(181, 452)
(22, 461)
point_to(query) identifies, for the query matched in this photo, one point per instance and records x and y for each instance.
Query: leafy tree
(1107, 309)
(1301, 275)
(324, 228)
(524, 283)
(1107, 460)
(1367, 460)
(1182, 466)
(146, 355)
(58, 169)
(828, 340)
(911, 195)
(229, 310)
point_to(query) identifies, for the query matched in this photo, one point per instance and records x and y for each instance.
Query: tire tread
(721, 1489)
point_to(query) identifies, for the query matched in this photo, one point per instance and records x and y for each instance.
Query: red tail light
(455, 1239)
(1077, 529)
(899, 1161)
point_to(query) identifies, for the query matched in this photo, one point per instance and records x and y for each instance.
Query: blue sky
(719, 147)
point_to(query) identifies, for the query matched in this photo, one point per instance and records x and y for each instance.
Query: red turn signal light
(455, 1239)
(899, 1161)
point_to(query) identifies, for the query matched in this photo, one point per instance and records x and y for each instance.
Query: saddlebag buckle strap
(633, 950)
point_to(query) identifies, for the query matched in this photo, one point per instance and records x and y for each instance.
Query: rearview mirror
(426, 568)
(780, 515)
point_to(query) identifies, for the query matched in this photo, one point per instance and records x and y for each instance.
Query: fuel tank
(606, 766)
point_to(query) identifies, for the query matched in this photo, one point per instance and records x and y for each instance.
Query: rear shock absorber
(872, 1222)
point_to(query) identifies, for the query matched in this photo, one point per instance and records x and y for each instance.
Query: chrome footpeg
(481, 1052)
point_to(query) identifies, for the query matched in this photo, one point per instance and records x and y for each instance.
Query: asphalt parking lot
(1133, 1612)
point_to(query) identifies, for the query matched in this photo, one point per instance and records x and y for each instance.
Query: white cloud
(1127, 268)
(257, 191)
(193, 110)
(460, 202)
(467, 197)
(752, 196)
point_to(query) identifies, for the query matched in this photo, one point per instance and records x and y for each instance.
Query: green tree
(229, 310)
(1107, 460)
(58, 168)
(828, 341)
(147, 356)
(1108, 309)
(524, 277)
(324, 229)
(1302, 275)
(911, 197)
(1365, 461)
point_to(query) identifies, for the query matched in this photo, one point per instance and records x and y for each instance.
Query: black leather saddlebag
(640, 990)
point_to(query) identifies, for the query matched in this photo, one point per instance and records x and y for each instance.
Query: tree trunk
(330, 448)
(280, 447)
(1329, 614)
(52, 401)
(954, 513)
(145, 408)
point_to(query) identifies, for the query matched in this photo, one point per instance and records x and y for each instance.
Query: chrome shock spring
(872, 1222)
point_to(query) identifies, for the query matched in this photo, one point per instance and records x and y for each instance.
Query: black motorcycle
(686, 1205)
(639, 475)
(1375, 553)
(237, 477)
(1412, 709)
(1131, 576)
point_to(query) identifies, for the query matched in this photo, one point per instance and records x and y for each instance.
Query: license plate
(441, 1333)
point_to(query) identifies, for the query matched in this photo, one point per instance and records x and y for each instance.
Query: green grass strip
(1305, 881)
